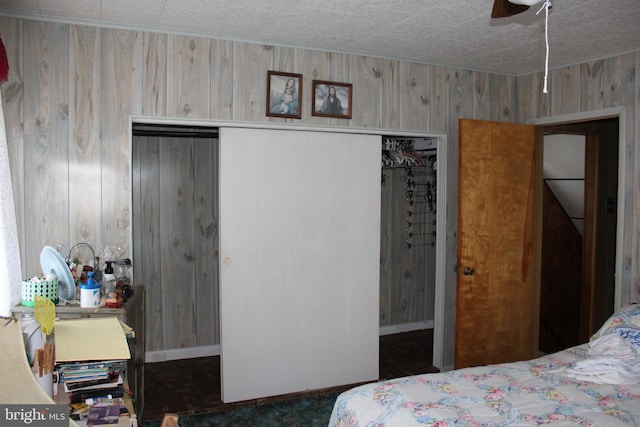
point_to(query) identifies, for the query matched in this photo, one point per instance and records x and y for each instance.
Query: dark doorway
(578, 269)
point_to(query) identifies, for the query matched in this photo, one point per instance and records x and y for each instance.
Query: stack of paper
(99, 338)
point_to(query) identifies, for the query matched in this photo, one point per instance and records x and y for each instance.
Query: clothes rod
(174, 134)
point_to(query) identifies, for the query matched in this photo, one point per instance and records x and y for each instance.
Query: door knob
(468, 271)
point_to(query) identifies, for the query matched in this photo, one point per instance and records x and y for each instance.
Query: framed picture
(284, 94)
(331, 99)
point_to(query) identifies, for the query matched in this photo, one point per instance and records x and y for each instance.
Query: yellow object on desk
(100, 338)
(44, 311)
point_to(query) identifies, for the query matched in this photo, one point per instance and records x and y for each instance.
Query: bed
(594, 384)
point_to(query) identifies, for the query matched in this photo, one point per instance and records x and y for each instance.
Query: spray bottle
(90, 292)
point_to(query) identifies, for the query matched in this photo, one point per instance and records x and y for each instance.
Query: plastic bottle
(108, 271)
(90, 293)
(112, 287)
(107, 277)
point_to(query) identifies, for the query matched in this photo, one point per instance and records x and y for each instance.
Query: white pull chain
(546, 6)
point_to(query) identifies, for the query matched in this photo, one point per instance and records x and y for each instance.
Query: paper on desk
(99, 338)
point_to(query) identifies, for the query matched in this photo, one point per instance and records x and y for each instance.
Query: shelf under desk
(132, 313)
(62, 398)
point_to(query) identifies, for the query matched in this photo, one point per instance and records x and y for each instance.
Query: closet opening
(175, 237)
(175, 188)
(408, 252)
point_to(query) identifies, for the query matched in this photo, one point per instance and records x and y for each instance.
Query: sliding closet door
(299, 260)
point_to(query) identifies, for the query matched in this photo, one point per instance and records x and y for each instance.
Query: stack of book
(92, 380)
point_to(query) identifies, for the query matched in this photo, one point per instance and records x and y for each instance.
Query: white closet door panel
(299, 251)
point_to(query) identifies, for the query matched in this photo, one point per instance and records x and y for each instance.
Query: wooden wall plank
(621, 77)
(155, 75)
(631, 270)
(137, 243)
(503, 98)
(414, 97)
(85, 145)
(366, 76)
(221, 79)
(567, 95)
(341, 71)
(386, 247)
(592, 85)
(422, 256)
(618, 73)
(390, 90)
(525, 97)
(12, 105)
(121, 98)
(313, 65)
(205, 212)
(531, 101)
(46, 142)
(461, 104)
(251, 63)
(482, 100)
(177, 242)
(400, 283)
(439, 111)
(188, 71)
(147, 268)
(283, 60)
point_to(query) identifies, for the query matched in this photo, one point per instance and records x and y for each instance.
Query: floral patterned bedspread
(536, 392)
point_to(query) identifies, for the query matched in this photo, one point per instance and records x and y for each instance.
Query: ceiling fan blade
(504, 8)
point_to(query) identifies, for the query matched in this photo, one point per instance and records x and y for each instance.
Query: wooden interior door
(300, 260)
(497, 301)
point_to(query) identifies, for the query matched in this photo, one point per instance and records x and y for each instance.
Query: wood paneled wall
(72, 89)
(175, 229)
(407, 264)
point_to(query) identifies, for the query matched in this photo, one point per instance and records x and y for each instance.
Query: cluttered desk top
(74, 306)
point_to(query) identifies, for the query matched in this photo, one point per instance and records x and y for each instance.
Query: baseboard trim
(214, 350)
(446, 368)
(406, 327)
(181, 353)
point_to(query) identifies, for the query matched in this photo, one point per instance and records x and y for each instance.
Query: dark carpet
(307, 412)
(190, 388)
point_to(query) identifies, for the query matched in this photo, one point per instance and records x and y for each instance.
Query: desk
(132, 313)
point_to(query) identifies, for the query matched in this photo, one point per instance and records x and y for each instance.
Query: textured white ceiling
(457, 33)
